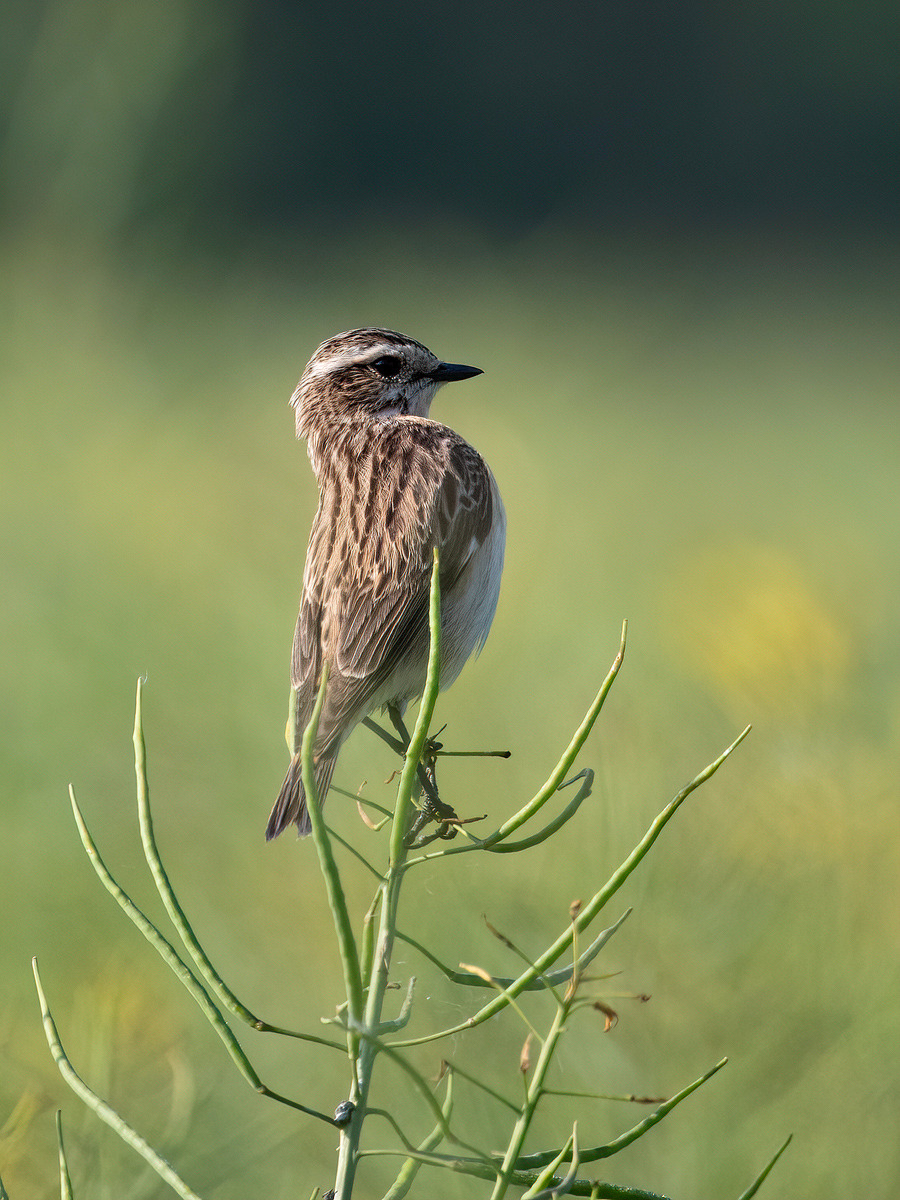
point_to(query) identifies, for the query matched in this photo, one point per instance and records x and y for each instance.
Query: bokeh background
(666, 233)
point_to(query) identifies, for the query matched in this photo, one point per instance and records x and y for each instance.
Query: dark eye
(388, 366)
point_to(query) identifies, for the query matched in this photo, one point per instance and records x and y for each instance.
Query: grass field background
(697, 434)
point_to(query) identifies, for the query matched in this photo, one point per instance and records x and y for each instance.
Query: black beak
(448, 372)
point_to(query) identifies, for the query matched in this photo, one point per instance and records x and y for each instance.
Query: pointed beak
(448, 372)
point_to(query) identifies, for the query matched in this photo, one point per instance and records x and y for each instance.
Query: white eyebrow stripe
(335, 362)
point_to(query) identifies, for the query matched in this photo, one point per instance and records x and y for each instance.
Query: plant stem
(367, 1047)
(533, 1095)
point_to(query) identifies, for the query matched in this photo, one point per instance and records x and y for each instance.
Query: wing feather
(366, 585)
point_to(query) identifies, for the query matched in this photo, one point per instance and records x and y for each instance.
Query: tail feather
(291, 803)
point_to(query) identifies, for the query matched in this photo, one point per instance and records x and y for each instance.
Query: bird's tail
(291, 803)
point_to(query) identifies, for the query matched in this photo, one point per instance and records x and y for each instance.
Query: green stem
(161, 879)
(548, 979)
(65, 1180)
(758, 1182)
(594, 906)
(185, 975)
(411, 1167)
(562, 767)
(336, 899)
(533, 1094)
(367, 1029)
(103, 1110)
(557, 776)
(525, 980)
(596, 1153)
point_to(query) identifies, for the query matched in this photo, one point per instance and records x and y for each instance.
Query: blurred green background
(666, 234)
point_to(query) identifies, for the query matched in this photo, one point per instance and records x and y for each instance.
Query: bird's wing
(387, 611)
(366, 590)
(306, 657)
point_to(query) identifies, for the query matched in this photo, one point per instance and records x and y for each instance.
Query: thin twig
(103, 1110)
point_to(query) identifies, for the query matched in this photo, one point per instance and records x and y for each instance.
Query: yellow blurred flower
(751, 624)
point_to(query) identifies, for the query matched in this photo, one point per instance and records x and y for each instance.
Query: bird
(393, 485)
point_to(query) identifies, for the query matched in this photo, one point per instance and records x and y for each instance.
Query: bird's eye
(387, 366)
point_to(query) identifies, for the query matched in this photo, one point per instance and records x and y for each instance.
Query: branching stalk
(183, 973)
(366, 966)
(103, 1110)
(367, 1043)
(596, 904)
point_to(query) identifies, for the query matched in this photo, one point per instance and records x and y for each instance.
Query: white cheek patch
(420, 397)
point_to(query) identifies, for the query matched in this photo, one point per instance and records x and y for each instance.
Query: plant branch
(337, 900)
(546, 979)
(103, 1110)
(172, 905)
(532, 1162)
(366, 1027)
(594, 906)
(525, 982)
(412, 1166)
(161, 879)
(758, 1182)
(183, 973)
(558, 773)
(65, 1180)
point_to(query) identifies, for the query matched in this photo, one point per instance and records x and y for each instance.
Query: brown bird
(392, 486)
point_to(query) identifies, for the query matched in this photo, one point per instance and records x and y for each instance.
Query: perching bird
(392, 486)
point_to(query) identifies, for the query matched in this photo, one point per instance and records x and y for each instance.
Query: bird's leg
(397, 746)
(425, 769)
(396, 719)
(432, 807)
(441, 812)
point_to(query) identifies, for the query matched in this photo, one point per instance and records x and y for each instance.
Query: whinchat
(393, 484)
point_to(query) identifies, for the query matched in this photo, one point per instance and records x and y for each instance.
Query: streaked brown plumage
(392, 485)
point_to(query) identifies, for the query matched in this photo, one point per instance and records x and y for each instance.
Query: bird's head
(369, 373)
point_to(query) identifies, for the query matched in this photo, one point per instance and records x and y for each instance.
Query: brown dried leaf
(525, 1056)
(479, 971)
(611, 1015)
(365, 816)
(501, 937)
